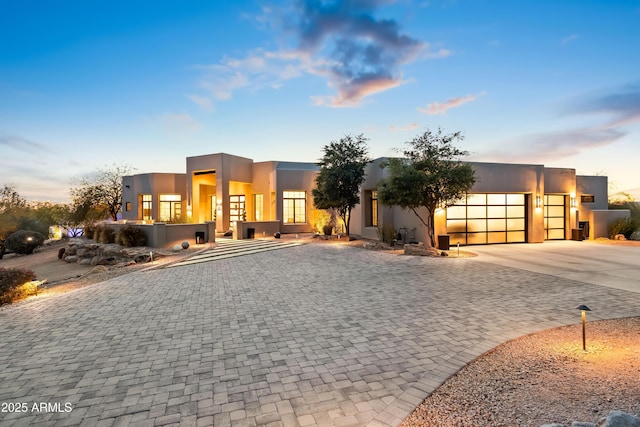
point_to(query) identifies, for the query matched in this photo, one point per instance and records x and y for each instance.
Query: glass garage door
(554, 216)
(481, 219)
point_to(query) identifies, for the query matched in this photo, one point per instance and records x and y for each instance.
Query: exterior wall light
(583, 308)
(573, 201)
(538, 202)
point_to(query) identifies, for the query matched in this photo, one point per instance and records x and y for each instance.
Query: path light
(583, 308)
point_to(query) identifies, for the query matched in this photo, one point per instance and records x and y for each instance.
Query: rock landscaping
(613, 419)
(85, 252)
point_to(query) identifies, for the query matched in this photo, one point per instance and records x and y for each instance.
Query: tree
(12, 208)
(341, 174)
(102, 190)
(430, 176)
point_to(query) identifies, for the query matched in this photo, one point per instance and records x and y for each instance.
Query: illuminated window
(258, 205)
(127, 206)
(371, 208)
(294, 206)
(170, 207)
(146, 206)
(554, 216)
(236, 208)
(587, 198)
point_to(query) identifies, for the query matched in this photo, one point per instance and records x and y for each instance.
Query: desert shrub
(24, 241)
(104, 234)
(387, 233)
(327, 229)
(131, 236)
(90, 230)
(625, 226)
(12, 284)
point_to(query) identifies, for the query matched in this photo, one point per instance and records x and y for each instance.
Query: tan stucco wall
(154, 184)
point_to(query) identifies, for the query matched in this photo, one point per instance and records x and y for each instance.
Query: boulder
(420, 249)
(619, 419)
(71, 258)
(84, 261)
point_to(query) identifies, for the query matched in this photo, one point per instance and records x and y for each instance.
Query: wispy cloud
(620, 106)
(343, 41)
(180, 122)
(203, 102)
(571, 38)
(442, 107)
(22, 144)
(410, 126)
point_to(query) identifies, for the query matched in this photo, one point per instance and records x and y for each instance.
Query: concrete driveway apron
(321, 335)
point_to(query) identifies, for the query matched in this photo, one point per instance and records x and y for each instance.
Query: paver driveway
(310, 335)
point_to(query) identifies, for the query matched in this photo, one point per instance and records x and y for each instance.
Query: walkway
(229, 248)
(322, 335)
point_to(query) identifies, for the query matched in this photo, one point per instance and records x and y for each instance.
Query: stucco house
(509, 203)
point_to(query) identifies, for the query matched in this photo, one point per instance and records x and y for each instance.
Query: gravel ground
(541, 379)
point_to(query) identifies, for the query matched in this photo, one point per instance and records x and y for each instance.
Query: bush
(104, 234)
(387, 233)
(24, 241)
(90, 231)
(623, 226)
(12, 281)
(131, 236)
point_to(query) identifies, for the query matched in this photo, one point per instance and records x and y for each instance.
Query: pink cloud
(442, 107)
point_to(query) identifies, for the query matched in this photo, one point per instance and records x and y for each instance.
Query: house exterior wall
(291, 176)
(224, 175)
(227, 168)
(150, 183)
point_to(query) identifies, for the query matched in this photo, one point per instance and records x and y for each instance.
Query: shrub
(104, 234)
(387, 233)
(90, 230)
(12, 281)
(625, 226)
(24, 241)
(131, 236)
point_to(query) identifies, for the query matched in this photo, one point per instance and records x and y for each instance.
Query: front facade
(509, 203)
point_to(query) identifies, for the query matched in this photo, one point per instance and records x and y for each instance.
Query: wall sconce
(573, 201)
(538, 202)
(583, 308)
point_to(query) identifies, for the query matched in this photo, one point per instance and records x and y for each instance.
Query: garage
(488, 218)
(554, 216)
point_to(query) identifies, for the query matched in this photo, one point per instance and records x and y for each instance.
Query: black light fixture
(583, 308)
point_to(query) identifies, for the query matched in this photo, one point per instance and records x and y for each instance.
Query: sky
(86, 85)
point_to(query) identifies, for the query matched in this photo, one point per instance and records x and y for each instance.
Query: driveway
(321, 335)
(615, 266)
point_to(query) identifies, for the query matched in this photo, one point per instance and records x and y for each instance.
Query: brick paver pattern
(311, 335)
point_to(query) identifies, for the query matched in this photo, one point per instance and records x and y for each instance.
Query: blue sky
(89, 84)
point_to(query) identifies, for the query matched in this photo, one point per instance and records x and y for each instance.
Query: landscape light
(583, 308)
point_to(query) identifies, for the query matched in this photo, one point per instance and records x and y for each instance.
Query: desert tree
(342, 172)
(101, 190)
(431, 175)
(12, 207)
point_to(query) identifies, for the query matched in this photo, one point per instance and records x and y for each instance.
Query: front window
(371, 206)
(170, 207)
(236, 208)
(258, 203)
(294, 206)
(146, 207)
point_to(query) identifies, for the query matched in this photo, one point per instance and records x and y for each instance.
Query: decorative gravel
(543, 378)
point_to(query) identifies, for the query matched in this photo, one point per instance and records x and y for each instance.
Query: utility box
(443, 242)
